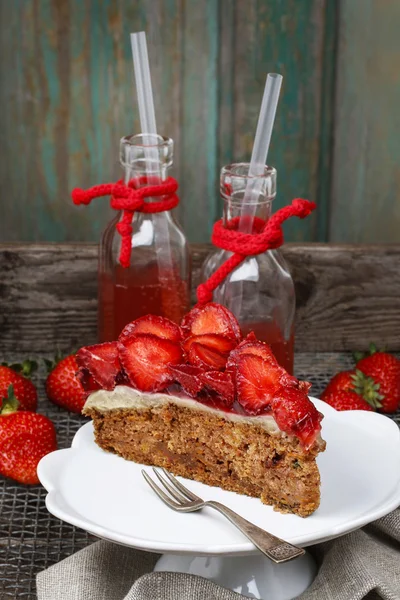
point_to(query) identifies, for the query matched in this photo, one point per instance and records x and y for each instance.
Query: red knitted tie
(130, 198)
(264, 236)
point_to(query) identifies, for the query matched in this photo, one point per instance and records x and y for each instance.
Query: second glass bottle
(260, 291)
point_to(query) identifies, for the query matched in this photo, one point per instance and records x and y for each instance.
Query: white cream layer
(125, 397)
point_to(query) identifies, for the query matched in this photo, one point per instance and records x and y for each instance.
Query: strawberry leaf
(10, 403)
(372, 350)
(51, 363)
(367, 388)
(26, 368)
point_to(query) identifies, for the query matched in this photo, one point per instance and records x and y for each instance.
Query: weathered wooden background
(346, 295)
(67, 96)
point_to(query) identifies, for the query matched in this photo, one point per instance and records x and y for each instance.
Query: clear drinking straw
(257, 165)
(143, 83)
(148, 125)
(260, 148)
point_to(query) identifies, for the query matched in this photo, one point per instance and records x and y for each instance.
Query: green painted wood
(199, 117)
(286, 37)
(366, 173)
(328, 78)
(67, 96)
(226, 99)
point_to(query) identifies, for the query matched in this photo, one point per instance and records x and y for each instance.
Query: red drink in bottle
(157, 281)
(125, 296)
(260, 291)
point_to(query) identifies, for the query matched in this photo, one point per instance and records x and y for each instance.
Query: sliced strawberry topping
(206, 358)
(296, 414)
(305, 386)
(222, 383)
(146, 357)
(220, 343)
(87, 380)
(208, 351)
(188, 377)
(250, 337)
(102, 362)
(159, 326)
(255, 348)
(211, 318)
(257, 381)
(264, 352)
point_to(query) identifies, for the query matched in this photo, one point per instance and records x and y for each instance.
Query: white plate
(108, 497)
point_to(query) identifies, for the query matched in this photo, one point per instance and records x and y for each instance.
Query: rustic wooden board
(366, 175)
(347, 295)
(67, 96)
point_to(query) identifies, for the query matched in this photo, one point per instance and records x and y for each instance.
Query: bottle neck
(246, 214)
(247, 196)
(144, 175)
(146, 158)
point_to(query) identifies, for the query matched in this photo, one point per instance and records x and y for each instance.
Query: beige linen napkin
(363, 564)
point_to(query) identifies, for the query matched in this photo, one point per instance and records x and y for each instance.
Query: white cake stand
(108, 497)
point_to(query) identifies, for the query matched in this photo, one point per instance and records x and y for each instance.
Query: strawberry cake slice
(206, 404)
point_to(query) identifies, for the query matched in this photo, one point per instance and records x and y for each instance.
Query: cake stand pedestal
(254, 576)
(84, 483)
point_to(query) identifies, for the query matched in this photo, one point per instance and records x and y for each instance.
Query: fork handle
(273, 547)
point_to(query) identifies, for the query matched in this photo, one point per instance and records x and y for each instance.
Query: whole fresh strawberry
(352, 390)
(341, 382)
(22, 387)
(346, 400)
(25, 437)
(63, 386)
(384, 369)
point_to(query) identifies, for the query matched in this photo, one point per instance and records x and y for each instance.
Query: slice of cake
(208, 405)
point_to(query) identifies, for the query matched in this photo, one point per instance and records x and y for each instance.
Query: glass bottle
(260, 291)
(158, 278)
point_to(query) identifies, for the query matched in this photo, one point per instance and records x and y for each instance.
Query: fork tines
(182, 498)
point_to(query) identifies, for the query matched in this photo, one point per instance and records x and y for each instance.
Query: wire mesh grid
(31, 539)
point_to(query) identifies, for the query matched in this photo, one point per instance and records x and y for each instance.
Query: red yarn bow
(265, 236)
(130, 198)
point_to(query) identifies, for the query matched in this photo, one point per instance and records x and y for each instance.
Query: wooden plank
(366, 176)
(285, 37)
(347, 296)
(67, 98)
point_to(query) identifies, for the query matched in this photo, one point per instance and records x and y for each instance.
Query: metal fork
(273, 547)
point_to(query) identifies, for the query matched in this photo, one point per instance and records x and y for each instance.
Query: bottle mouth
(147, 140)
(150, 148)
(235, 181)
(241, 171)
